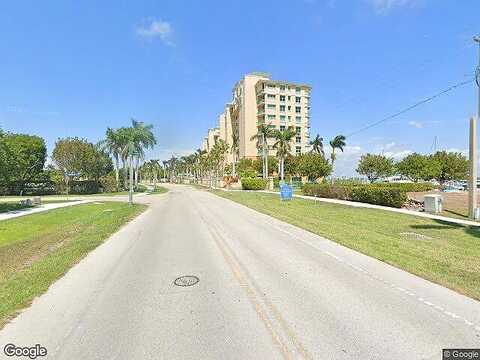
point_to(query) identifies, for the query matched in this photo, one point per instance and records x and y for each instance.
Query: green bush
(254, 184)
(328, 191)
(385, 196)
(408, 187)
(108, 183)
(84, 187)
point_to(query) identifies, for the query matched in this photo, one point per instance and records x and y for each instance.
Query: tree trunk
(130, 192)
(234, 170)
(117, 175)
(282, 163)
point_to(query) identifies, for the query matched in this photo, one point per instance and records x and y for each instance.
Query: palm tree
(338, 142)
(146, 140)
(264, 132)
(135, 140)
(317, 145)
(234, 150)
(112, 144)
(282, 144)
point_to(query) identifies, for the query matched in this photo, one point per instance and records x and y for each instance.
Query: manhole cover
(187, 280)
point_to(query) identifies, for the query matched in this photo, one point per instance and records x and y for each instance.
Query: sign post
(286, 192)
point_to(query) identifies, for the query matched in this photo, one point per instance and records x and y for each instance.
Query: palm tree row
(128, 144)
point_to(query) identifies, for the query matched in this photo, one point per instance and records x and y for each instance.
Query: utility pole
(472, 194)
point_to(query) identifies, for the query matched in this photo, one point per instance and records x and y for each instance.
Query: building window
(297, 99)
(298, 139)
(270, 86)
(282, 127)
(298, 119)
(271, 106)
(282, 108)
(289, 108)
(282, 97)
(289, 118)
(271, 96)
(297, 90)
(271, 117)
(298, 150)
(282, 88)
(298, 109)
(289, 97)
(298, 130)
(282, 118)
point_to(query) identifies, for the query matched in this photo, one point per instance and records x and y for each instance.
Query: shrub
(254, 184)
(84, 187)
(328, 191)
(385, 196)
(108, 183)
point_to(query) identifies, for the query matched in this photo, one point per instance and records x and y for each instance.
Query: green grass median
(445, 253)
(37, 249)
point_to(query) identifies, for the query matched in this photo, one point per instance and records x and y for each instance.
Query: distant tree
(264, 132)
(246, 168)
(450, 166)
(70, 155)
(113, 145)
(96, 163)
(418, 167)
(22, 158)
(375, 167)
(312, 165)
(272, 164)
(317, 145)
(338, 142)
(282, 145)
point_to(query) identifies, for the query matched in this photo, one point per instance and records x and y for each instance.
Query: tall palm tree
(317, 145)
(338, 142)
(135, 140)
(112, 144)
(146, 140)
(265, 131)
(282, 145)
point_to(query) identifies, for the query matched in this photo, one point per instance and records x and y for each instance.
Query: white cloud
(156, 29)
(384, 6)
(416, 124)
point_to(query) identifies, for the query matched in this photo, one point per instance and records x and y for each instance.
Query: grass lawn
(37, 249)
(444, 253)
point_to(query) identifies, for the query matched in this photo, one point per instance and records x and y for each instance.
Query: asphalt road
(267, 290)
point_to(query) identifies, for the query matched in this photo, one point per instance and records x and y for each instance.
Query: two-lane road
(267, 290)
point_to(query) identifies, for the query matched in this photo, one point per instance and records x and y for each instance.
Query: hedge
(388, 194)
(254, 184)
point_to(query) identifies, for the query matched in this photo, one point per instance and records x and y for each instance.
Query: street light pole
(472, 194)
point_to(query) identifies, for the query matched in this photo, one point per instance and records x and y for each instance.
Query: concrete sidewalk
(40, 208)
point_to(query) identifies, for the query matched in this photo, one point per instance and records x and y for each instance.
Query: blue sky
(72, 68)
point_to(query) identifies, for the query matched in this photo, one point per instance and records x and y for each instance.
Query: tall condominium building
(256, 100)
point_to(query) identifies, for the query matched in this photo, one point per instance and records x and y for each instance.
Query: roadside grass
(38, 249)
(444, 253)
(159, 190)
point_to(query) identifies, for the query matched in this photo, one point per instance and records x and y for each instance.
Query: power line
(453, 87)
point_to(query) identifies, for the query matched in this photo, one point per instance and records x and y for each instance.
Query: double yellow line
(274, 326)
